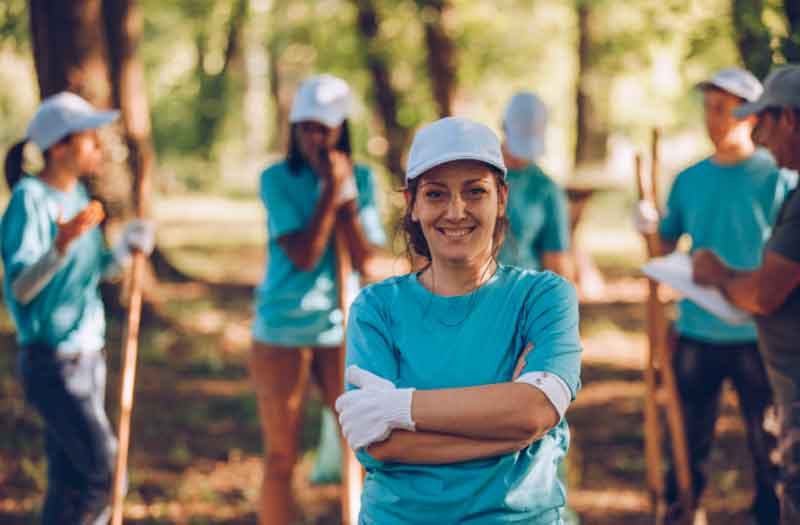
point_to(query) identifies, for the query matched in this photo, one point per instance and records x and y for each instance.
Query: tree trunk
(442, 60)
(591, 117)
(752, 36)
(69, 49)
(214, 88)
(790, 46)
(383, 92)
(124, 29)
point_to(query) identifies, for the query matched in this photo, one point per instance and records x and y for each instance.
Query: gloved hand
(368, 415)
(138, 235)
(348, 191)
(645, 218)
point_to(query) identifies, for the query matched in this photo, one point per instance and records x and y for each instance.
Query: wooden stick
(128, 382)
(652, 425)
(351, 470)
(660, 360)
(675, 419)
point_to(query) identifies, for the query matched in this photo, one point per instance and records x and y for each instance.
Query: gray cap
(524, 124)
(449, 139)
(781, 88)
(736, 81)
(64, 113)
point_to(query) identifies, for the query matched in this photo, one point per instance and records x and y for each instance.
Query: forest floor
(196, 446)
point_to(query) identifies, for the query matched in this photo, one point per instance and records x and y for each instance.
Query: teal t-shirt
(539, 221)
(730, 210)
(295, 307)
(402, 332)
(67, 314)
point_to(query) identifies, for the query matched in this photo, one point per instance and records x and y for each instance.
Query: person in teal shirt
(727, 203)
(54, 256)
(537, 206)
(459, 375)
(298, 325)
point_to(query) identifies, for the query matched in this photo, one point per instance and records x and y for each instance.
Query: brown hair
(416, 245)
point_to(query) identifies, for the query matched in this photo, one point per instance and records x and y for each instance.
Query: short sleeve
(368, 212)
(369, 347)
(672, 225)
(785, 239)
(555, 234)
(24, 239)
(551, 325)
(283, 217)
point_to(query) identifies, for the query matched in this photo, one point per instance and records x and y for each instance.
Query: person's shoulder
(363, 174)
(28, 190)
(388, 288)
(761, 161)
(788, 178)
(382, 295)
(277, 169)
(537, 283)
(693, 170)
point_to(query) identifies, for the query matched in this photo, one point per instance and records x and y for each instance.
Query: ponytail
(14, 163)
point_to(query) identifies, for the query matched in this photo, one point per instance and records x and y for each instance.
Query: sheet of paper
(675, 270)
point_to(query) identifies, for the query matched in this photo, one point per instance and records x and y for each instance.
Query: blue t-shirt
(730, 210)
(401, 331)
(295, 307)
(539, 221)
(67, 314)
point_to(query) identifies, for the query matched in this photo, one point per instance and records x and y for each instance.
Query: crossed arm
(460, 424)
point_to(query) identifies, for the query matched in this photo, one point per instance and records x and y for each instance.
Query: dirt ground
(195, 452)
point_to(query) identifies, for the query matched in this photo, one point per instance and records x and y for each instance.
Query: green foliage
(644, 58)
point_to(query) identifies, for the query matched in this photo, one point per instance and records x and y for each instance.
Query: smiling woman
(459, 375)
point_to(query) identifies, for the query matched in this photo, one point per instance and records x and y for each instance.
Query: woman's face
(314, 138)
(457, 205)
(82, 153)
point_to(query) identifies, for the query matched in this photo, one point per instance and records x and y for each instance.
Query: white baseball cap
(781, 88)
(64, 113)
(324, 99)
(449, 139)
(736, 81)
(524, 125)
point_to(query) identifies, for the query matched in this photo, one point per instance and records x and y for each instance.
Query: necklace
(472, 297)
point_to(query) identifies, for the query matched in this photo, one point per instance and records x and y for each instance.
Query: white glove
(368, 415)
(645, 218)
(347, 192)
(138, 235)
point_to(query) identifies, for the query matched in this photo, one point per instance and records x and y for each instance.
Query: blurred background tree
(220, 74)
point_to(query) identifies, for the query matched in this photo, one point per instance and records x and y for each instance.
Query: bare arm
(766, 289)
(504, 411)
(359, 246)
(430, 448)
(761, 291)
(560, 263)
(305, 247)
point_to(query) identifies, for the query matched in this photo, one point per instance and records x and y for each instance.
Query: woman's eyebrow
(433, 182)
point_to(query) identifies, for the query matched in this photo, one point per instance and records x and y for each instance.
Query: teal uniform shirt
(729, 210)
(539, 221)
(295, 307)
(404, 333)
(67, 314)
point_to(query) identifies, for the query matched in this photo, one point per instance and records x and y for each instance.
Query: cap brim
(450, 157)
(95, 120)
(750, 108)
(326, 120)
